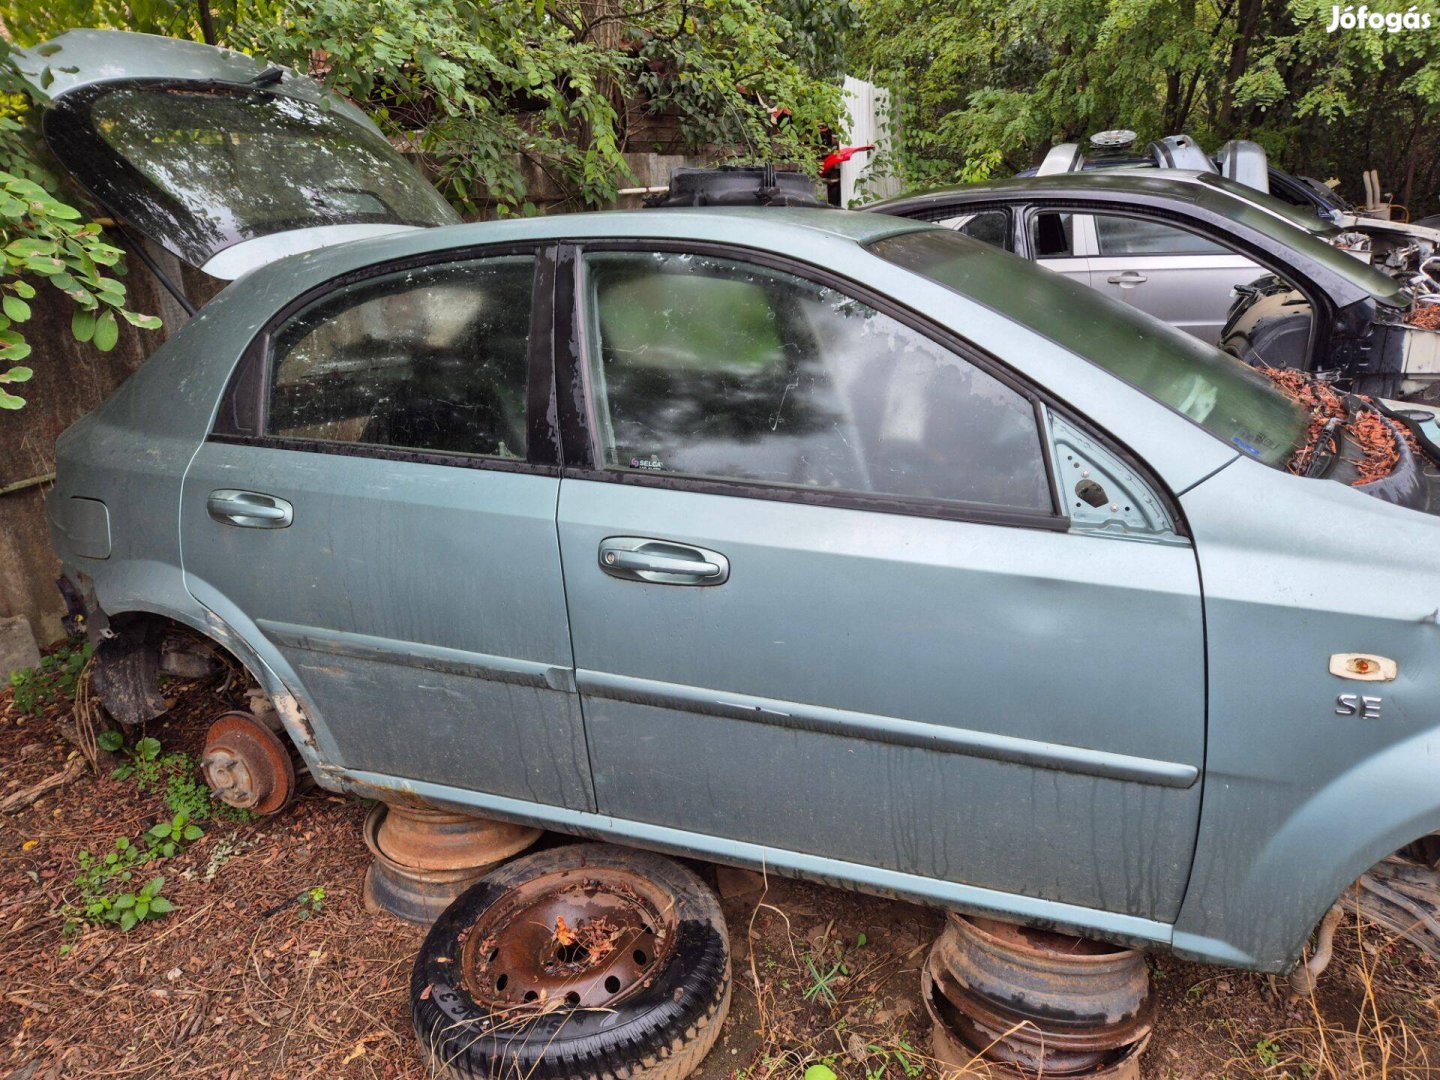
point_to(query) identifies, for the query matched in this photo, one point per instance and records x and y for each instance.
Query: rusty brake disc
(246, 764)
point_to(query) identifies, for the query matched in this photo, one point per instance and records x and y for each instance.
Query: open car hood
(222, 160)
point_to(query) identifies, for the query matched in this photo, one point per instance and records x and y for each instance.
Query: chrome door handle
(249, 509)
(1128, 279)
(661, 562)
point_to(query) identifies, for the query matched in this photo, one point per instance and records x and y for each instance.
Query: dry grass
(1394, 1033)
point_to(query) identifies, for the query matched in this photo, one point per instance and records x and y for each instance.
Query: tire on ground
(661, 1030)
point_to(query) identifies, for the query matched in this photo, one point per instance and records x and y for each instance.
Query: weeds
(903, 1054)
(1268, 1051)
(105, 896)
(1381, 1043)
(103, 879)
(311, 901)
(53, 681)
(819, 988)
(172, 775)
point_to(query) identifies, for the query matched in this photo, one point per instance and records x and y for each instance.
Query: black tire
(659, 1031)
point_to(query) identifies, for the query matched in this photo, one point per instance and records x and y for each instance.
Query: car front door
(1176, 275)
(826, 598)
(373, 503)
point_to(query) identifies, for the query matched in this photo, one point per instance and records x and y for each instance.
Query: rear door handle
(249, 509)
(661, 562)
(1128, 279)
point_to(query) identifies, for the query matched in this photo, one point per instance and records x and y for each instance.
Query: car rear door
(825, 599)
(1060, 241)
(378, 501)
(1176, 275)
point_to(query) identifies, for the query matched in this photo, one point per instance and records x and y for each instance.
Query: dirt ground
(241, 979)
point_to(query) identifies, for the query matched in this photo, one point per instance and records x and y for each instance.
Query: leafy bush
(47, 242)
(53, 681)
(492, 94)
(173, 774)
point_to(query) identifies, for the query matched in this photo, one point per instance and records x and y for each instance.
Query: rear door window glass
(709, 367)
(434, 358)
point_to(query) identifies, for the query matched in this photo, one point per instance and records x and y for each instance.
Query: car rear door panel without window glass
(1059, 241)
(417, 591)
(910, 662)
(1176, 275)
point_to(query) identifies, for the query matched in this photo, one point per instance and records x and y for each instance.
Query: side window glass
(988, 226)
(1136, 236)
(1052, 235)
(434, 358)
(709, 367)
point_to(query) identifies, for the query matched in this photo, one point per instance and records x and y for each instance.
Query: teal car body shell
(1253, 804)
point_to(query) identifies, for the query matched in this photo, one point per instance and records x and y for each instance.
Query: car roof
(1175, 184)
(778, 230)
(1209, 191)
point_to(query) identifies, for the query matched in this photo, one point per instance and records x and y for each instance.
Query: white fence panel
(871, 122)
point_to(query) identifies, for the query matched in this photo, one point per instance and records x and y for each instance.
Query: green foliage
(723, 65)
(1268, 1051)
(53, 682)
(104, 880)
(986, 86)
(820, 988)
(820, 1071)
(48, 243)
(29, 22)
(173, 775)
(499, 96)
(475, 87)
(901, 1054)
(311, 901)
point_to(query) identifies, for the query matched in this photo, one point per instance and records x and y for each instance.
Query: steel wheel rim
(585, 938)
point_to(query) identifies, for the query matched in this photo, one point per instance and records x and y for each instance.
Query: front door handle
(661, 562)
(249, 509)
(1127, 279)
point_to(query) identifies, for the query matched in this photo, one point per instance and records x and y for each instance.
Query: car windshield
(1224, 396)
(242, 164)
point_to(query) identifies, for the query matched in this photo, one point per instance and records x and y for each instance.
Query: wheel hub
(246, 764)
(581, 938)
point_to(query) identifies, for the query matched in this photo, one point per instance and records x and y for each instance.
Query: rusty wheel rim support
(426, 839)
(424, 858)
(246, 764)
(582, 938)
(1039, 1002)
